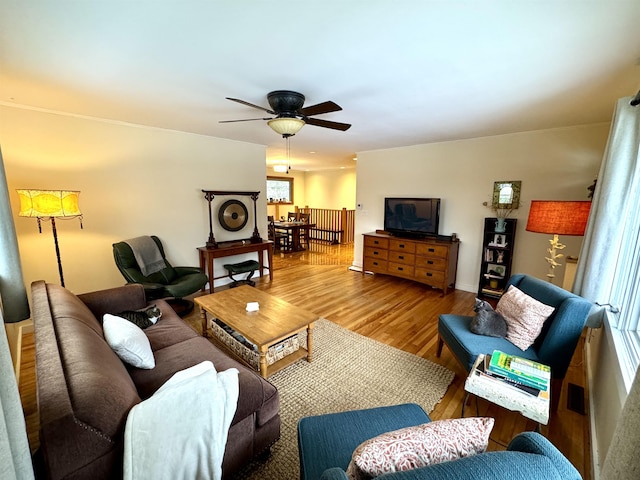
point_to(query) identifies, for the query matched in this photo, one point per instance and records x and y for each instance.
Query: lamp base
(552, 259)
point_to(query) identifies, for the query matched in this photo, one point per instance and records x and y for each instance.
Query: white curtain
(608, 272)
(15, 457)
(611, 209)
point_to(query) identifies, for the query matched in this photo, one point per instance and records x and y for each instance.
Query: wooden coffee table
(275, 321)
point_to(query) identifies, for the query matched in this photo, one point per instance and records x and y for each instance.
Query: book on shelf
(528, 372)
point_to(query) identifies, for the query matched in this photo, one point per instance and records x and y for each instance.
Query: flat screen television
(412, 217)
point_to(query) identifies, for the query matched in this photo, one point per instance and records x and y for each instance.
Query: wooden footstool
(248, 267)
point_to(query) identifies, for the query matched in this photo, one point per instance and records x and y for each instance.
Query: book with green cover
(537, 376)
(530, 367)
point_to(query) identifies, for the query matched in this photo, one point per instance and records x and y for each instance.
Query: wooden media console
(431, 261)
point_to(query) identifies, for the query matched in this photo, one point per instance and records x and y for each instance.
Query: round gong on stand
(232, 223)
(233, 215)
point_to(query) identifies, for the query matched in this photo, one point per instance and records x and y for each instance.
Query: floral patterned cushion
(524, 315)
(419, 446)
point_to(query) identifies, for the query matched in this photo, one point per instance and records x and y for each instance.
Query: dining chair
(304, 233)
(292, 217)
(280, 239)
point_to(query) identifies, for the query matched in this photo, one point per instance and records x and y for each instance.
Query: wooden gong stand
(210, 195)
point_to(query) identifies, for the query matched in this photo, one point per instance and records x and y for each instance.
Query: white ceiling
(405, 72)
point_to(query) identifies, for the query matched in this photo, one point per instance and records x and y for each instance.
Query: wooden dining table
(294, 229)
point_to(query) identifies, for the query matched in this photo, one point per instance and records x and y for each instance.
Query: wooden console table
(237, 247)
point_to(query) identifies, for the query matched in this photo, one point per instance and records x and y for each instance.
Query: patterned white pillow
(525, 316)
(420, 446)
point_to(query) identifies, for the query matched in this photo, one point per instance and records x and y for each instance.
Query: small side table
(505, 395)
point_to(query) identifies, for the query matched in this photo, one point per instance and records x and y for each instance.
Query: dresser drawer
(376, 253)
(431, 277)
(432, 250)
(376, 242)
(375, 265)
(402, 257)
(402, 246)
(431, 263)
(401, 269)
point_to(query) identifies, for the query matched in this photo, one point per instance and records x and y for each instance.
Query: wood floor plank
(399, 313)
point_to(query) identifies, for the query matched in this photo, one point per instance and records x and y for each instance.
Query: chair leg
(439, 348)
(248, 279)
(556, 390)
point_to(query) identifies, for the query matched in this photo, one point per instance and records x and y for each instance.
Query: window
(279, 190)
(625, 295)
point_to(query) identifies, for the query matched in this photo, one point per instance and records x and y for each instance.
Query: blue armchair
(326, 443)
(554, 346)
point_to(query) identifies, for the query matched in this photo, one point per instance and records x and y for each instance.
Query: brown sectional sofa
(85, 391)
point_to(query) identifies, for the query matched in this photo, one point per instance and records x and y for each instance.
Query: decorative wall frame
(209, 195)
(506, 194)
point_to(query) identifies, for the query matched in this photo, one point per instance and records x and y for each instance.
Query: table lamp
(50, 204)
(557, 217)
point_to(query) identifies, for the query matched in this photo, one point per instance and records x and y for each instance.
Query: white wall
(607, 392)
(556, 164)
(331, 189)
(134, 181)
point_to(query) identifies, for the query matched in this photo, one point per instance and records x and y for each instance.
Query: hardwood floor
(397, 312)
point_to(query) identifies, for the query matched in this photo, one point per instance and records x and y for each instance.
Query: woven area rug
(348, 372)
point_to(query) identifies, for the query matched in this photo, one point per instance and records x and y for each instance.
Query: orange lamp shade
(558, 217)
(49, 203)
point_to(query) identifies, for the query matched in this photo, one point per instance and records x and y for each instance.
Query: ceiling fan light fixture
(286, 126)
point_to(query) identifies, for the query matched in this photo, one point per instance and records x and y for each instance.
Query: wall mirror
(506, 194)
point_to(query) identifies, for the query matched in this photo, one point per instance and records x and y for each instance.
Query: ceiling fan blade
(251, 105)
(320, 108)
(327, 124)
(244, 120)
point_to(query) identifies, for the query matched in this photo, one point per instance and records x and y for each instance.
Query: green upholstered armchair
(171, 281)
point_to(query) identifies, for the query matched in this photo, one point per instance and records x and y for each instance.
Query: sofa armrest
(532, 442)
(334, 473)
(113, 300)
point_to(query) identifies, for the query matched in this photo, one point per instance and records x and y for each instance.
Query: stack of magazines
(529, 376)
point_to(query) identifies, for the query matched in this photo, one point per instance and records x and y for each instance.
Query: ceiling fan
(290, 115)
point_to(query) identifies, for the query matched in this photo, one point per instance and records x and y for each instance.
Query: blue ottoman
(327, 441)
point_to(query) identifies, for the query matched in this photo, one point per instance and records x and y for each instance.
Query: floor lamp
(50, 204)
(557, 218)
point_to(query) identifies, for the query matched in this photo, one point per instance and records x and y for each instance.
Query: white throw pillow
(128, 341)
